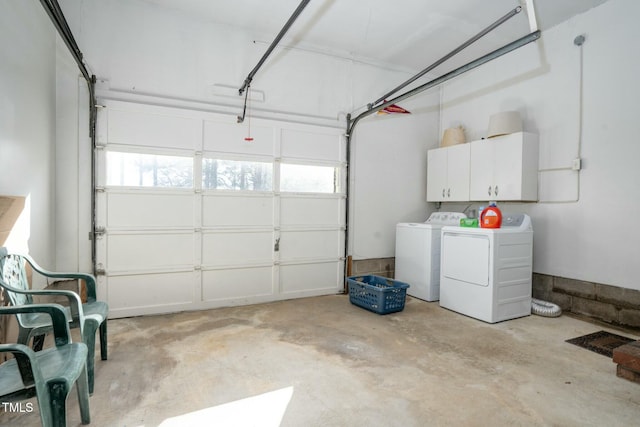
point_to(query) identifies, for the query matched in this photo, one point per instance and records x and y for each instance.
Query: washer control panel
(445, 218)
(516, 220)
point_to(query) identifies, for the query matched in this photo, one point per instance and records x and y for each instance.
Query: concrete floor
(324, 362)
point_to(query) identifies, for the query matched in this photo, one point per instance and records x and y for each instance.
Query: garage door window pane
(149, 170)
(236, 175)
(307, 179)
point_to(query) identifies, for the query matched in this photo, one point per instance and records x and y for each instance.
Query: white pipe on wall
(577, 162)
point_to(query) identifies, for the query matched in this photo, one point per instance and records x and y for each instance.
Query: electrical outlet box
(576, 165)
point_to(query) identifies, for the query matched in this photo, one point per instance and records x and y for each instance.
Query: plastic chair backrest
(51, 377)
(13, 273)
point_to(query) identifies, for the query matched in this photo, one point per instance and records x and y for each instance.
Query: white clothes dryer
(418, 254)
(486, 273)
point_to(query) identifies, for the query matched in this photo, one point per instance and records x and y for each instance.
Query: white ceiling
(405, 34)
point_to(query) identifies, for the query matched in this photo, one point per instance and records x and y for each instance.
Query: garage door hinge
(98, 232)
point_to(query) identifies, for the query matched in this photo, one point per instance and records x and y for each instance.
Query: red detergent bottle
(491, 217)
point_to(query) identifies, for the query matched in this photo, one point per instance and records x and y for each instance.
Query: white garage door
(192, 216)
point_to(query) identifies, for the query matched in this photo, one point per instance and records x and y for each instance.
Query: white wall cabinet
(448, 174)
(504, 168)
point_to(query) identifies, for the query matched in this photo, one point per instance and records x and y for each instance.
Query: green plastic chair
(48, 374)
(89, 317)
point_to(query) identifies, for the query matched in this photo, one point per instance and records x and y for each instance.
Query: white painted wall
(72, 166)
(67, 181)
(27, 122)
(171, 55)
(594, 238)
(160, 52)
(389, 174)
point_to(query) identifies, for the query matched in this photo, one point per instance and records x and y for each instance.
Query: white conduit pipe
(544, 308)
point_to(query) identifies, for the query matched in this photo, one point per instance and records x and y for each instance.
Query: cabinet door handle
(449, 192)
(489, 191)
(496, 190)
(443, 193)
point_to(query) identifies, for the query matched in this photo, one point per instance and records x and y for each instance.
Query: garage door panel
(140, 210)
(196, 217)
(310, 211)
(296, 245)
(230, 138)
(310, 145)
(237, 211)
(153, 130)
(143, 252)
(237, 248)
(150, 290)
(238, 283)
(301, 278)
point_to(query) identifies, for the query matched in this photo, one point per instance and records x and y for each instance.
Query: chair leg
(82, 386)
(58, 393)
(90, 369)
(90, 328)
(103, 340)
(44, 404)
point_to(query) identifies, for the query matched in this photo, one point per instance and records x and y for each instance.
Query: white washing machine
(486, 273)
(418, 254)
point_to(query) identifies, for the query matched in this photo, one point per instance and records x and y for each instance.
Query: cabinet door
(458, 173)
(436, 175)
(507, 167)
(481, 170)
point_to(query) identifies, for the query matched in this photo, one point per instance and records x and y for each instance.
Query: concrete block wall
(384, 267)
(610, 304)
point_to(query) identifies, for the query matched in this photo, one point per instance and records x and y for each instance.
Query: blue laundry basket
(378, 294)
